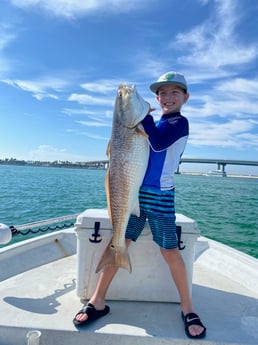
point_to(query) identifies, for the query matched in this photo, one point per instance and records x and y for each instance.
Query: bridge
(221, 163)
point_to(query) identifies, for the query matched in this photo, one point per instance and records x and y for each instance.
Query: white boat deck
(224, 292)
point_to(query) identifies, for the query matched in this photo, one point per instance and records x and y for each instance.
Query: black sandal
(193, 319)
(92, 313)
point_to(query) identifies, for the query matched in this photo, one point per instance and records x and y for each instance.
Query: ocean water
(226, 209)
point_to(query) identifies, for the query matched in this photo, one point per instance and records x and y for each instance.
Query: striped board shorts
(158, 208)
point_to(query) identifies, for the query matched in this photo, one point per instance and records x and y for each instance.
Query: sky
(62, 61)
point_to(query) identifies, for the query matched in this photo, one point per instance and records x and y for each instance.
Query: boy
(167, 141)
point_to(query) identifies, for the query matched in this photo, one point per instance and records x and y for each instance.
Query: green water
(224, 208)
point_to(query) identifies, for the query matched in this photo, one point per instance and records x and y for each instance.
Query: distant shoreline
(69, 165)
(205, 174)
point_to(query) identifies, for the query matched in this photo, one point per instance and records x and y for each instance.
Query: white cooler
(150, 279)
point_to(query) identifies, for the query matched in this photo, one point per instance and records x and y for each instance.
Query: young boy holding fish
(167, 139)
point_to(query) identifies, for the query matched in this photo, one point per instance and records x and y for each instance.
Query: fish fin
(115, 257)
(107, 188)
(141, 132)
(136, 209)
(108, 196)
(108, 149)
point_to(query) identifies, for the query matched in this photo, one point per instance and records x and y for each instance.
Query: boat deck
(44, 298)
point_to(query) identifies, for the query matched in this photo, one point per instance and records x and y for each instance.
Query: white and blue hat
(172, 78)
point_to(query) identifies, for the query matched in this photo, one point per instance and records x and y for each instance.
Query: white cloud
(149, 65)
(109, 114)
(94, 123)
(213, 44)
(88, 135)
(74, 8)
(40, 96)
(49, 153)
(102, 86)
(208, 106)
(39, 89)
(94, 136)
(247, 87)
(233, 134)
(90, 100)
(72, 112)
(7, 35)
(5, 65)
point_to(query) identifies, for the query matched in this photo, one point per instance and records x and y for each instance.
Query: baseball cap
(171, 77)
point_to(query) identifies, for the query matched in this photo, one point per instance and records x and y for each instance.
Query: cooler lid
(89, 217)
(189, 225)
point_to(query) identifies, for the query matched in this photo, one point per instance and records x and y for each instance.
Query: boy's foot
(91, 314)
(193, 326)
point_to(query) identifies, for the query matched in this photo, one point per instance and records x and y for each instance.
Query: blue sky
(61, 63)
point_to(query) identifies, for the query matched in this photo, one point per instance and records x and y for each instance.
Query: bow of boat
(38, 291)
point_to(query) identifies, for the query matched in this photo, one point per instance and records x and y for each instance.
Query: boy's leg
(179, 275)
(98, 298)
(104, 281)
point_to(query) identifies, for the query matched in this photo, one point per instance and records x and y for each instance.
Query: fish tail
(115, 257)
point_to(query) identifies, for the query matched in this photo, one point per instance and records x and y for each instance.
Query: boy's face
(171, 98)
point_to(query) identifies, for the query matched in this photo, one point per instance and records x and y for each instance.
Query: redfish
(128, 152)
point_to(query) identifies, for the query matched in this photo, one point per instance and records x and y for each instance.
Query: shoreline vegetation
(56, 164)
(93, 165)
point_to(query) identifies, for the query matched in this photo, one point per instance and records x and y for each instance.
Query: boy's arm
(161, 138)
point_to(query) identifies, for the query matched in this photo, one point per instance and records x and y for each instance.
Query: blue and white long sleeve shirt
(167, 140)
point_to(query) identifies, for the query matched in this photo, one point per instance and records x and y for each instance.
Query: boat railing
(51, 228)
(41, 223)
